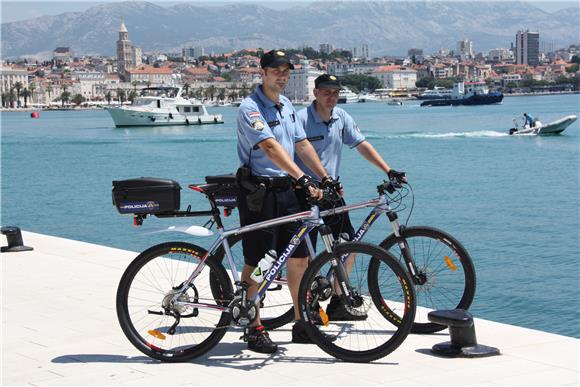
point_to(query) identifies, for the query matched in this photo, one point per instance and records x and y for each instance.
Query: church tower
(124, 51)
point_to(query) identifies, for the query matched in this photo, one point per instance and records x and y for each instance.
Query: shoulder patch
(258, 125)
(254, 114)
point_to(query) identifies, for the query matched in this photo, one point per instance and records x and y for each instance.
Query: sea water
(513, 201)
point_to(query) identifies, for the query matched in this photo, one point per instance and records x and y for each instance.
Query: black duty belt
(281, 183)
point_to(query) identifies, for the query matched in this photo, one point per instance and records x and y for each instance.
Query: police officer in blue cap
(328, 128)
(270, 135)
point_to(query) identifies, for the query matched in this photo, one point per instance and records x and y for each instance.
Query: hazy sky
(25, 9)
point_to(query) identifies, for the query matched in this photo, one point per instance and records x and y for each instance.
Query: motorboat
(467, 93)
(555, 127)
(395, 102)
(347, 96)
(158, 106)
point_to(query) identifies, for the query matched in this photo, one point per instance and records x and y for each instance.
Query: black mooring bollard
(14, 238)
(462, 333)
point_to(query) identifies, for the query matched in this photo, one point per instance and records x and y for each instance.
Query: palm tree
(121, 95)
(132, 96)
(49, 90)
(108, 97)
(4, 98)
(186, 87)
(211, 92)
(11, 97)
(64, 97)
(233, 95)
(18, 87)
(26, 94)
(222, 94)
(78, 99)
(32, 88)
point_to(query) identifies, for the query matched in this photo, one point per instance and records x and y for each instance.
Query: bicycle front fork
(347, 293)
(418, 278)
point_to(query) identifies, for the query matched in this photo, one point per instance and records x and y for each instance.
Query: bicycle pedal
(323, 317)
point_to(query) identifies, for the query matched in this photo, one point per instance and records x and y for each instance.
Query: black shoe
(337, 311)
(259, 340)
(315, 316)
(300, 336)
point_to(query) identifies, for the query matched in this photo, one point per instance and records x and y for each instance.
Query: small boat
(395, 102)
(540, 129)
(367, 98)
(162, 106)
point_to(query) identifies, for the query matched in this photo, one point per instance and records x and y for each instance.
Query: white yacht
(347, 96)
(162, 106)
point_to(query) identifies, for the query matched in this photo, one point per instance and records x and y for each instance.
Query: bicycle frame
(380, 206)
(310, 220)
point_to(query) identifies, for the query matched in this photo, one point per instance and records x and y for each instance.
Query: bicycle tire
(275, 314)
(147, 283)
(436, 254)
(373, 337)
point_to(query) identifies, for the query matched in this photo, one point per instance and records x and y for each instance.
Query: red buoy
(35, 115)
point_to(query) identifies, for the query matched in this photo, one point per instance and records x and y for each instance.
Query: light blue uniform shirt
(260, 119)
(328, 138)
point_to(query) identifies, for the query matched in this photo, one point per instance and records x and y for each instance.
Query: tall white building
(193, 52)
(465, 49)
(528, 48)
(326, 48)
(301, 83)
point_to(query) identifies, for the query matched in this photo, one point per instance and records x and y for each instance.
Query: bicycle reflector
(156, 334)
(450, 263)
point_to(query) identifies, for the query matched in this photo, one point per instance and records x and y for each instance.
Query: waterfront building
(396, 77)
(301, 82)
(9, 77)
(341, 69)
(196, 74)
(90, 84)
(527, 47)
(500, 55)
(246, 74)
(150, 75)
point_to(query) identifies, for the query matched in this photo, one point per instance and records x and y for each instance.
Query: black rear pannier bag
(227, 193)
(146, 195)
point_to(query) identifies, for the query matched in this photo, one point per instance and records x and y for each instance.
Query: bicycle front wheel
(445, 277)
(362, 334)
(276, 307)
(160, 320)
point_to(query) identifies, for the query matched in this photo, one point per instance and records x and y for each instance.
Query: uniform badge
(280, 53)
(258, 125)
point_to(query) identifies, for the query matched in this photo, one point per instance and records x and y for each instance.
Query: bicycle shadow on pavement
(226, 355)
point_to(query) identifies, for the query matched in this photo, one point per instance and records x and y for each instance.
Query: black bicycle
(175, 301)
(440, 268)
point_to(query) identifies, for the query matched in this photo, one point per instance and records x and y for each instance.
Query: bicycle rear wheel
(276, 307)
(446, 275)
(166, 330)
(372, 336)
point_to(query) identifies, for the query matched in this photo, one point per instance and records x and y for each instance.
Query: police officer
(327, 128)
(269, 136)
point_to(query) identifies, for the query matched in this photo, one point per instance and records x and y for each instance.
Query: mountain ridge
(387, 27)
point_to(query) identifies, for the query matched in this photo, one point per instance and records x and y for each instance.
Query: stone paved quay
(59, 327)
